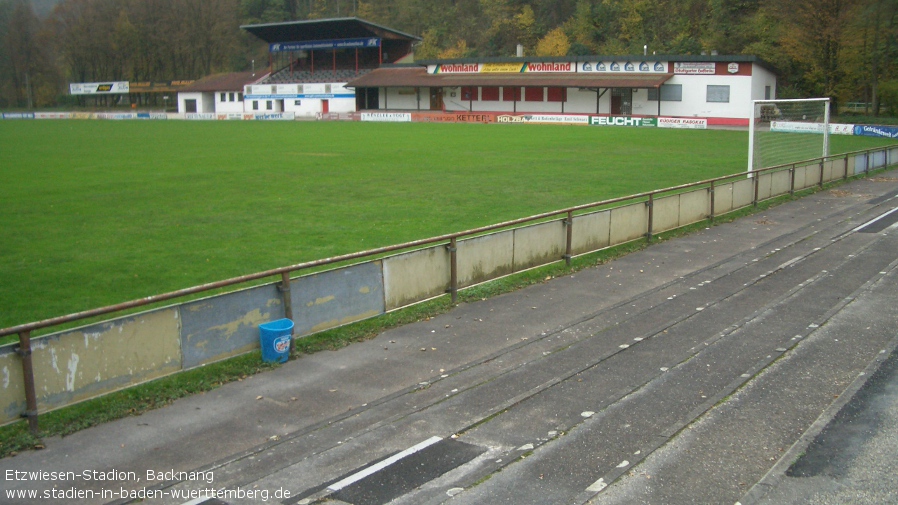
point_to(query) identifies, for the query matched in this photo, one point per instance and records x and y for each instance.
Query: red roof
(224, 82)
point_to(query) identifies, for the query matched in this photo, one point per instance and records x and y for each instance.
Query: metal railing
(24, 331)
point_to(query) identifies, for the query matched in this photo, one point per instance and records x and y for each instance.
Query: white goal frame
(753, 122)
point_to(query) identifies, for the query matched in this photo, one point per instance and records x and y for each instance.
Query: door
(436, 98)
(621, 101)
(325, 106)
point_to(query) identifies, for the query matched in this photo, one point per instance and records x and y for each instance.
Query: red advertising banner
(453, 117)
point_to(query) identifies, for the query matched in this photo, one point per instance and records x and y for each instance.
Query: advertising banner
(694, 68)
(198, 116)
(622, 121)
(99, 88)
(118, 116)
(543, 119)
(152, 115)
(677, 122)
(795, 127)
(308, 45)
(18, 115)
(626, 66)
(508, 68)
(52, 115)
(275, 116)
(230, 116)
(550, 67)
(456, 68)
(389, 117)
(889, 132)
(841, 129)
(461, 117)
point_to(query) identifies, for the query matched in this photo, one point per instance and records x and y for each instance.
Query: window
(669, 93)
(556, 94)
(230, 97)
(239, 97)
(468, 93)
(767, 93)
(512, 94)
(255, 105)
(222, 97)
(489, 94)
(534, 94)
(190, 105)
(718, 94)
(268, 105)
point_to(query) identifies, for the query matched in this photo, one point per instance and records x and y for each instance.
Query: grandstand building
(717, 89)
(336, 67)
(311, 62)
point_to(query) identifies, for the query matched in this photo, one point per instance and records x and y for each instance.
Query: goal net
(787, 131)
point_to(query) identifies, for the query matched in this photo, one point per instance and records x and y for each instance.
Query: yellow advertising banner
(493, 68)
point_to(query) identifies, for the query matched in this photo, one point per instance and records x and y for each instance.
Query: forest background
(843, 49)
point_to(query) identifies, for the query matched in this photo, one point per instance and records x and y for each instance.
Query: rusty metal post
(821, 173)
(287, 297)
(792, 183)
(845, 177)
(453, 268)
(757, 184)
(24, 352)
(651, 205)
(711, 196)
(568, 249)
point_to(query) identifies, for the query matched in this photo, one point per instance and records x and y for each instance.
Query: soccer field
(100, 212)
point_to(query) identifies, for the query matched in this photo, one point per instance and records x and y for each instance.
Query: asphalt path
(749, 362)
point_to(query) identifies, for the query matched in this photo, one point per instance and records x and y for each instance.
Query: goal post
(787, 131)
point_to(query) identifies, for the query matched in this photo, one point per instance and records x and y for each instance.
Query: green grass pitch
(99, 212)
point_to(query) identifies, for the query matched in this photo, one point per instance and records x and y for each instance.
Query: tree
(555, 43)
(813, 37)
(24, 64)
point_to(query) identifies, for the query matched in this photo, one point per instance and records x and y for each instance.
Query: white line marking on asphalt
(383, 464)
(597, 486)
(874, 220)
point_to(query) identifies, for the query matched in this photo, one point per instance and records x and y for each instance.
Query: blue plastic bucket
(275, 339)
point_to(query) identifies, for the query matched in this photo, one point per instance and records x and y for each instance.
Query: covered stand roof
(418, 77)
(324, 29)
(224, 82)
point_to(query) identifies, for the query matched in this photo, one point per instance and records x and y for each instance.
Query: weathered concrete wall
(694, 206)
(780, 183)
(800, 178)
(415, 276)
(812, 175)
(221, 326)
(591, 232)
(629, 223)
(78, 364)
(765, 185)
(539, 244)
(484, 258)
(337, 297)
(857, 164)
(828, 170)
(723, 198)
(743, 193)
(666, 213)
